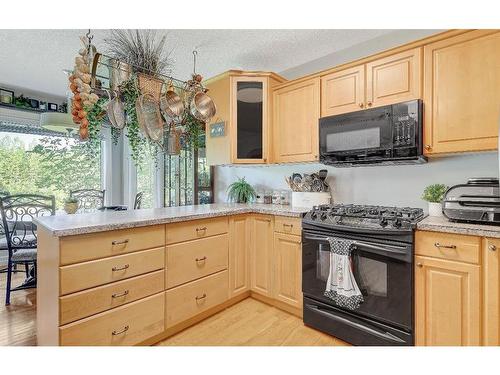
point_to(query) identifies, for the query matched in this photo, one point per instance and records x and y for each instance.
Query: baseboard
(278, 304)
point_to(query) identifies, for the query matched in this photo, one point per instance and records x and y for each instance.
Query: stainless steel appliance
(379, 136)
(382, 263)
(477, 201)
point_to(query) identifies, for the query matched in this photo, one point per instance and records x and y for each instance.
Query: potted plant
(240, 191)
(71, 205)
(434, 195)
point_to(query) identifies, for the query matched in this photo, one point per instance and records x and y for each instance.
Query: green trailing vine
(193, 132)
(95, 115)
(130, 93)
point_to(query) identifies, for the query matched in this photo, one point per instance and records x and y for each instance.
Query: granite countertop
(68, 225)
(442, 224)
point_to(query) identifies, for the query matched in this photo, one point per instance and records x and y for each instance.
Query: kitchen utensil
(116, 111)
(202, 107)
(119, 72)
(323, 173)
(149, 85)
(173, 140)
(171, 103)
(149, 117)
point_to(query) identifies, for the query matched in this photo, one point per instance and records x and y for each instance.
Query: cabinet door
(491, 285)
(296, 116)
(394, 79)
(262, 254)
(447, 302)
(343, 91)
(239, 276)
(249, 111)
(462, 92)
(288, 269)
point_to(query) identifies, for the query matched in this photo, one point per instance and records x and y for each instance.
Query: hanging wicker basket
(149, 85)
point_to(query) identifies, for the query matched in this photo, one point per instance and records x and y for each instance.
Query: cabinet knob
(369, 104)
(492, 247)
(428, 147)
(361, 105)
(420, 265)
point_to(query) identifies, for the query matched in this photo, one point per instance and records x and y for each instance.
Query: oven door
(383, 271)
(363, 135)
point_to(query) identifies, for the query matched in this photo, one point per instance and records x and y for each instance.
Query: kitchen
(375, 166)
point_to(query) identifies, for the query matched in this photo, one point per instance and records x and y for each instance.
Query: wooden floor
(18, 320)
(249, 322)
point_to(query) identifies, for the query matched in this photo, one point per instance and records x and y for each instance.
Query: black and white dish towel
(341, 286)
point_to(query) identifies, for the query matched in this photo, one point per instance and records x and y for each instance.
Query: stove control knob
(324, 216)
(314, 215)
(397, 223)
(383, 222)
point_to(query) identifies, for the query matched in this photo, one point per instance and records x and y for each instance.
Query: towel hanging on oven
(341, 286)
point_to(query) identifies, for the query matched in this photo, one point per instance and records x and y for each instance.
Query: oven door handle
(386, 248)
(379, 333)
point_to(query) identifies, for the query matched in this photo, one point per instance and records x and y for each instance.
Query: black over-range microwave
(379, 136)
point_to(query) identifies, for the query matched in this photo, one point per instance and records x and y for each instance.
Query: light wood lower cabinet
(491, 291)
(288, 269)
(239, 255)
(188, 300)
(126, 325)
(262, 254)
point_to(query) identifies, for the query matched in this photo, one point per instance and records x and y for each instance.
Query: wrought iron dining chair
(3, 238)
(88, 199)
(18, 212)
(138, 200)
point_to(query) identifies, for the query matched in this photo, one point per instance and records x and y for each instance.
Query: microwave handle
(376, 332)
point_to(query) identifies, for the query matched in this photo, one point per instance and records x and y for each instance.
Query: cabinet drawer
(288, 225)
(448, 246)
(195, 297)
(98, 272)
(191, 230)
(75, 249)
(89, 302)
(192, 260)
(126, 325)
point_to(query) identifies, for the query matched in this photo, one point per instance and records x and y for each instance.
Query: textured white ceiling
(34, 59)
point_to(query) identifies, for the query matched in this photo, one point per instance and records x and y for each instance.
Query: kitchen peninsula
(136, 277)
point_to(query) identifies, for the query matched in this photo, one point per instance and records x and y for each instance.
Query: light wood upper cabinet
(288, 269)
(393, 79)
(343, 91)
(447, 302)
(262, 254)
(491, 288)
(244, 110)
(239, 275)
(295, 125)
(462, 92)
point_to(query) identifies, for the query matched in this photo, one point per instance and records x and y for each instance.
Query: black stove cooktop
(365, 216)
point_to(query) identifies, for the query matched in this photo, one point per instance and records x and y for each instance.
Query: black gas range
(381, 259)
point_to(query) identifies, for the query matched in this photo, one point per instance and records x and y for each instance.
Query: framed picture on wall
(6, 96)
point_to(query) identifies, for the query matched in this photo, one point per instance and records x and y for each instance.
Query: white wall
(382, 185)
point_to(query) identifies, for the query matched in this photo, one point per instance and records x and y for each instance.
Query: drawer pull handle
(201, 229)
(116, 333)
(122, 242)
(288, 225)
(202, 297)
(120, 268)
(438, 245)
(118, 295)
(492, 247)
(420, 265)
(201, 259)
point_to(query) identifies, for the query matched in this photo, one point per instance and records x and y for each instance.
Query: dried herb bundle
(142, 49)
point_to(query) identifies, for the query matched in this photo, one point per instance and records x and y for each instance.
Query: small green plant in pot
(240, 191)
(434, 195)
(71, 205)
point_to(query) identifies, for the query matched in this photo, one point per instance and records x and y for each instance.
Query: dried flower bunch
(142, 49)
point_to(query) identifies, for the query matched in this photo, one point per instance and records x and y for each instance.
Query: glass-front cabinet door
(249, 119)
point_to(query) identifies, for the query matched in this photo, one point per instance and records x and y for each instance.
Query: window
(188, 178)
(146, 180)
(35, 161)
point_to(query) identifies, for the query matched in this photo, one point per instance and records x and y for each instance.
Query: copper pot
(202, 107)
